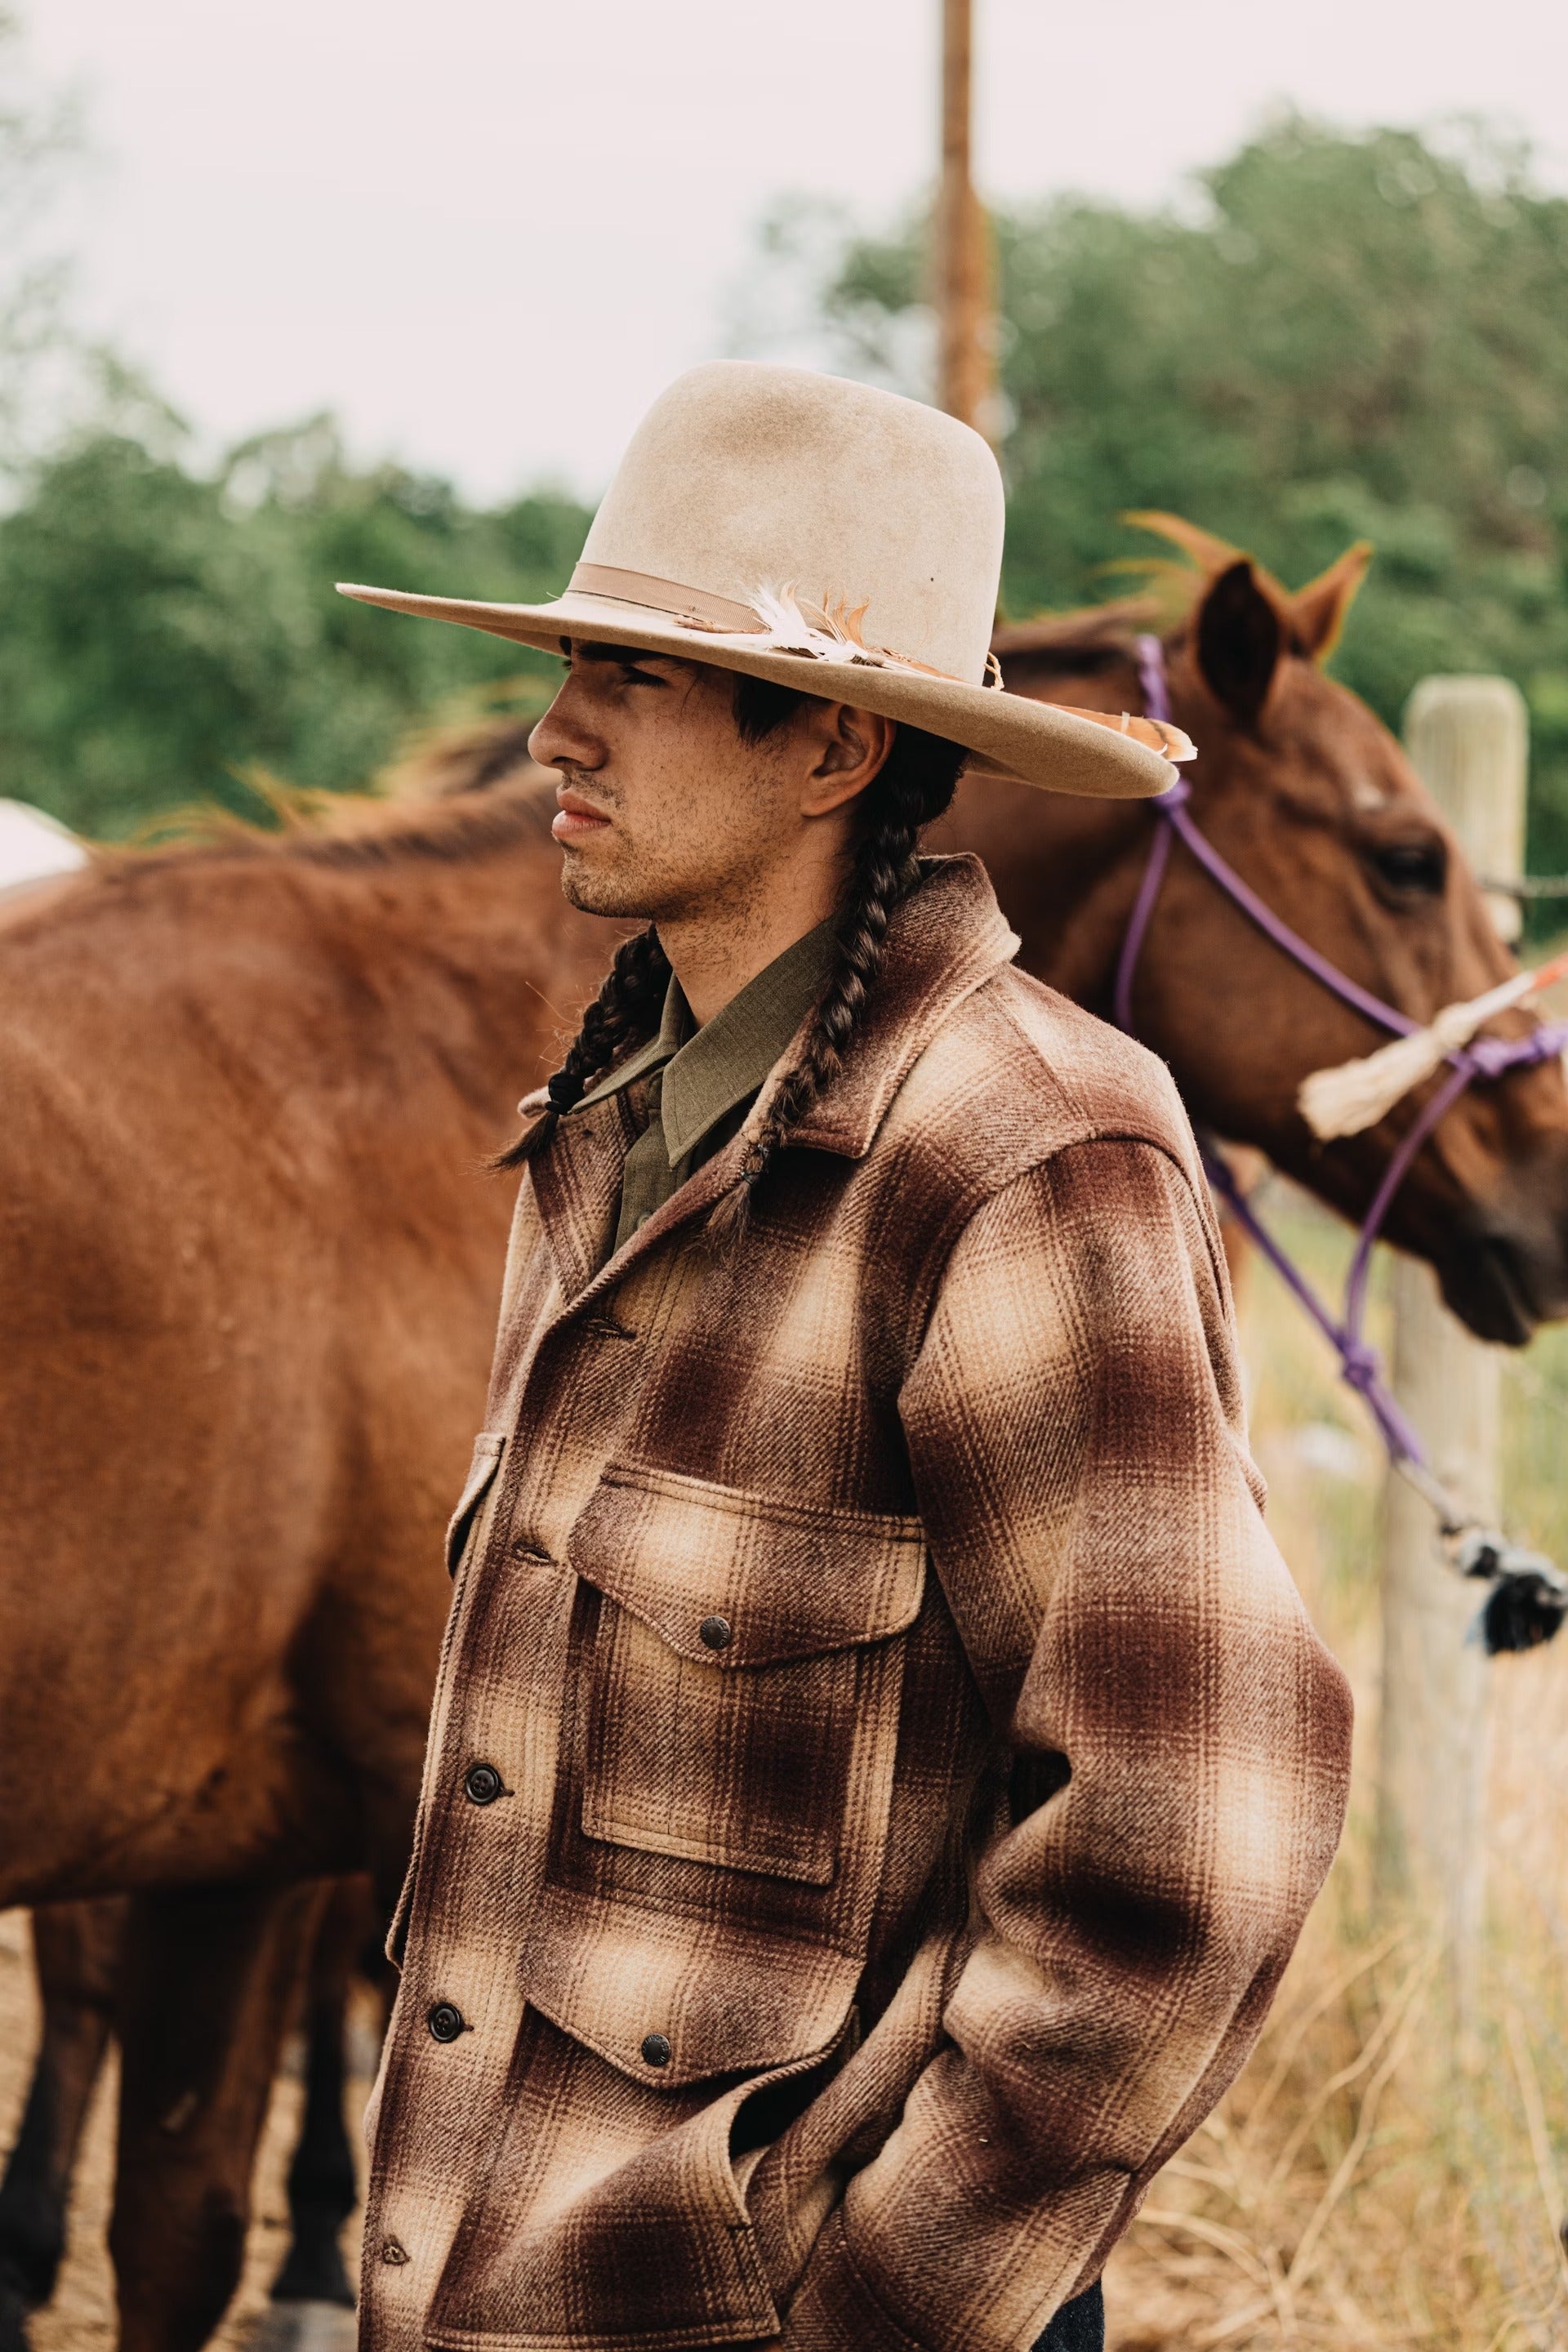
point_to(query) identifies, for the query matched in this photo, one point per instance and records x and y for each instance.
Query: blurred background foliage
(164, 628)
(1340, 336)
(1333, 335)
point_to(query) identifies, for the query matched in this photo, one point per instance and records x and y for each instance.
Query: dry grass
(1367, 2183)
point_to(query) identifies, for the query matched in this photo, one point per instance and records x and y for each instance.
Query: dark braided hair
(624, 1014)
(913, 788)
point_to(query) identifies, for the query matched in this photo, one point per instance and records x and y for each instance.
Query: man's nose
(565, 737)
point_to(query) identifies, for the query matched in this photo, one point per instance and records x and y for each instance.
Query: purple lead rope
(1483, 1057)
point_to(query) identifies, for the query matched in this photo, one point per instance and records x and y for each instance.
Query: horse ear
(1317, 611)
(1199, 546)
(1238, 638)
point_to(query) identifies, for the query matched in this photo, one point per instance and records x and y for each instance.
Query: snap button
(714, 1633)
(445, 2020)
(393, 2250)
(482, 1784)
(656, 2050)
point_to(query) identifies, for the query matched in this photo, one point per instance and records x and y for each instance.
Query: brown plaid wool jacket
(880, 1763)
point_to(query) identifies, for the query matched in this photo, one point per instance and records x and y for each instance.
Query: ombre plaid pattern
(915, 1761)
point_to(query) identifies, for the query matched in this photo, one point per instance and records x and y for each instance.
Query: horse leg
(207, 1991)
(76, 1951)
(323, 2186)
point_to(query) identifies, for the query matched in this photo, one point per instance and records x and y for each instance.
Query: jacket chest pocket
(745, 1679)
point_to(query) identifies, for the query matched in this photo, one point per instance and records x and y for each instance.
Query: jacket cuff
(833, 2310)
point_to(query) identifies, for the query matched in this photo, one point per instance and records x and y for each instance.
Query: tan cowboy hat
(832, 537)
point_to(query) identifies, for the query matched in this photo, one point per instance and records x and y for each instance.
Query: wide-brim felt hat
(834, 538)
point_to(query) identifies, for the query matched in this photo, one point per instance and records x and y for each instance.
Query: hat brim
(1039, 743)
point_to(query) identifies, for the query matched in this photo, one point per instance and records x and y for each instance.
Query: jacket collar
(945, 941)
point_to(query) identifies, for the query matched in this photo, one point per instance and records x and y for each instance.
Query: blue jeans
(1079, 2326)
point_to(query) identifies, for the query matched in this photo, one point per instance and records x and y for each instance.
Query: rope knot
(1361, 1365)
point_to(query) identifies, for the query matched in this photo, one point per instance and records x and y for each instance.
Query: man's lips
(575, 818)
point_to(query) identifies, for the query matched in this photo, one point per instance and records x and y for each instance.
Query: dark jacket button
(393, 2250)
(482, 1784)
(714, 1633)
(656, 2050)
(445, 2020)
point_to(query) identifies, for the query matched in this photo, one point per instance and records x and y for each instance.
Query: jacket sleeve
(1076, 1427)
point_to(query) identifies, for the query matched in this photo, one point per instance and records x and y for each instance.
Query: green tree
(164, 629)
(1349, 335)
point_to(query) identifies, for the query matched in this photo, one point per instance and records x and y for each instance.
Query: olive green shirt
(701, 1083)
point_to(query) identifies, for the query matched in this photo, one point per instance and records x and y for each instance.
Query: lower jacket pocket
(612, 2212)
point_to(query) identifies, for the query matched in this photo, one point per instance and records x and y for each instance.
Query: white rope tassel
(1355, 1095)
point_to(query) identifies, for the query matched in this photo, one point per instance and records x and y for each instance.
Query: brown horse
(251, 1263)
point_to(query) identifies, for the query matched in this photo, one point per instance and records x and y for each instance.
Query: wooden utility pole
(1467, 739)
(966, 358)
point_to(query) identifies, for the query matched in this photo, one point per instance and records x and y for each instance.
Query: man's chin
(595, 892)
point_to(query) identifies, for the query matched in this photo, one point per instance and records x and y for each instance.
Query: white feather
(787, 629)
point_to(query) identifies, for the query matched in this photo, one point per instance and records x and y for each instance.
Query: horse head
(1312, 801)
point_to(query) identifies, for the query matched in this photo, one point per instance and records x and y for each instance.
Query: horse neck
(1066, 870)
(450, 948)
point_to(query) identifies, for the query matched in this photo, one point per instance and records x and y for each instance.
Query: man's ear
(1237, 639)
(1317, 611)
(852, 747)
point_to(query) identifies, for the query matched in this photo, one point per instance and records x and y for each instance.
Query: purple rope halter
(1483, 1058)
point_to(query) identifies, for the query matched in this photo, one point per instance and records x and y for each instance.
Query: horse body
(252, 1264)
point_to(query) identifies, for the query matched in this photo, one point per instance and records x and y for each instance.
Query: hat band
(717, 612)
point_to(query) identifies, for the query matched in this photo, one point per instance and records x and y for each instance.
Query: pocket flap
(488, 1447)
(719, 2003)
(731, 1579)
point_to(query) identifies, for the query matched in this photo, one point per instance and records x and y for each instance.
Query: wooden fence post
(965, 332)
(1468, 737)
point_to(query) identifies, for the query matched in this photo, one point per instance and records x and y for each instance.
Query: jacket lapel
(578, 1187)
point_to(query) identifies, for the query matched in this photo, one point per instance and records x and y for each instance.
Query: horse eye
(1414, 868)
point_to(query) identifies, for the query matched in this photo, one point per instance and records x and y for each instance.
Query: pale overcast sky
(486, 232)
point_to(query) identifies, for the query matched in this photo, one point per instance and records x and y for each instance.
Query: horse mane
(1094, 636)
(1090, 637)
(463, 790)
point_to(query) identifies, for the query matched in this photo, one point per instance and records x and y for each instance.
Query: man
(879, 1764)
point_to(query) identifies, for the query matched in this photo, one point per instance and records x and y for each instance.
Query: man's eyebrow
(592, 652)
(588, 650)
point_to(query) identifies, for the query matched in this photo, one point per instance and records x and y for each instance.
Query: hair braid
(626, 1011)
(912, 790)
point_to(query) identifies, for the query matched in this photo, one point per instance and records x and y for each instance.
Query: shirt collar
(709, 1072)
(674, 1028)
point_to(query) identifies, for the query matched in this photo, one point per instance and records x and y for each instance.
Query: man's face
(665, 810)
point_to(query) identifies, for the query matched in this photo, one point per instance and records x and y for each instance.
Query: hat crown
(745, 477)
